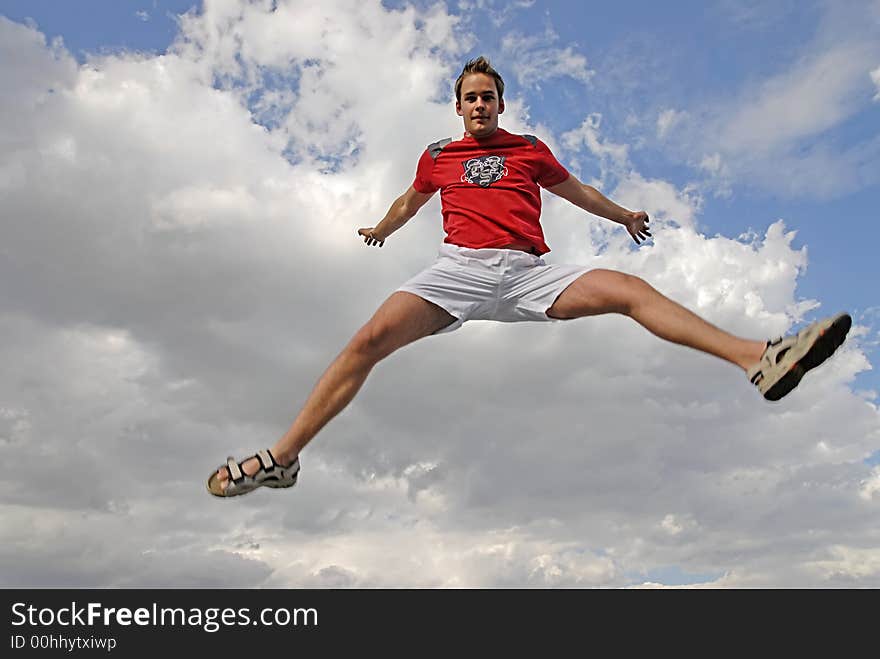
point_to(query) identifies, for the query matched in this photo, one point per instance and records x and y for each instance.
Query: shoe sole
(828, 341)
(213, 484)
(279, 485)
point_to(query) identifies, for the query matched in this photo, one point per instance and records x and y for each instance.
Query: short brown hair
(479, 65)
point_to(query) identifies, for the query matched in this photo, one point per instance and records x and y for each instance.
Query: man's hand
(369, 239)
(636, 224)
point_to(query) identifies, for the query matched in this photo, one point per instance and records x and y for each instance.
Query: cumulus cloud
(180, 264)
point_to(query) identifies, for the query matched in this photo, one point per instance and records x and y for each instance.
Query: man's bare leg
(606, 291)
(400, 320)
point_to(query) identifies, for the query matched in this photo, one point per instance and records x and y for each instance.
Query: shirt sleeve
(550, 171)
(425, 168)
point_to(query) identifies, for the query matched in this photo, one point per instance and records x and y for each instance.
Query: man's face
(479, 104)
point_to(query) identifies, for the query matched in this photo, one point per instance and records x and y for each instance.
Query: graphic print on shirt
(484, 171)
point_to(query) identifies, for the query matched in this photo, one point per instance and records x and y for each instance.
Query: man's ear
(501, 106)
(458, 109)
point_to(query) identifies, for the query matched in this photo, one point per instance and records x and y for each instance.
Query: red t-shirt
(489, 188)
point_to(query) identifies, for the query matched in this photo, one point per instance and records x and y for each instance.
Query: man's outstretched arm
(402, 211)
(591, 200)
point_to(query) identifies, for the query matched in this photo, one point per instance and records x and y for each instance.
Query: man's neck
(483, 137)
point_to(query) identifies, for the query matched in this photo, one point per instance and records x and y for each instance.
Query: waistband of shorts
(487, 253)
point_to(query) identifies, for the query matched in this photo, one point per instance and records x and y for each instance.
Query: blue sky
(98, 25)
(180, 264)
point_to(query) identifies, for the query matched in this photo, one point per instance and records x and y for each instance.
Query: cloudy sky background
(180, 187)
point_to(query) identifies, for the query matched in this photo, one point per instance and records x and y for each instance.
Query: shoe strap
(266, 459)
(235, 472)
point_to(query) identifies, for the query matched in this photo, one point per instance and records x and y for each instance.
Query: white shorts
(506, 285)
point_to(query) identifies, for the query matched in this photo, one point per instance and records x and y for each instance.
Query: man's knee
(370, 341)
(376, 340)
(628, 291)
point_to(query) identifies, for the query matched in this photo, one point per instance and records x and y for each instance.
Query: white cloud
(850, 563)
(613, 157)
(754, 14)
(497, 11)
(534, 60)
(871, 486)
(712, 164)
(814, 96)
(875, 77)
(667, 119)
(589, 134)
(676, 525)
(185, 269)
(775, 132)
(660, 198)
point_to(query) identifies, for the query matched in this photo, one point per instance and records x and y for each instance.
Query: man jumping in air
(490, 268)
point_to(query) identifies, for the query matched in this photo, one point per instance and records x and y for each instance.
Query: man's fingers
(640, 236)
(369, 239)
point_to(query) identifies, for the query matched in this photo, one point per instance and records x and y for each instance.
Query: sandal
(270, 474)
(787, 359)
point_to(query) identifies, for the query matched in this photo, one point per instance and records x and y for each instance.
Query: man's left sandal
(270, 474)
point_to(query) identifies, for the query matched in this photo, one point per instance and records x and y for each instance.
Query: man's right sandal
(270, 474)
(787, 359)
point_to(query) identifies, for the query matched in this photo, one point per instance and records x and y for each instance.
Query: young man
(490, 267)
